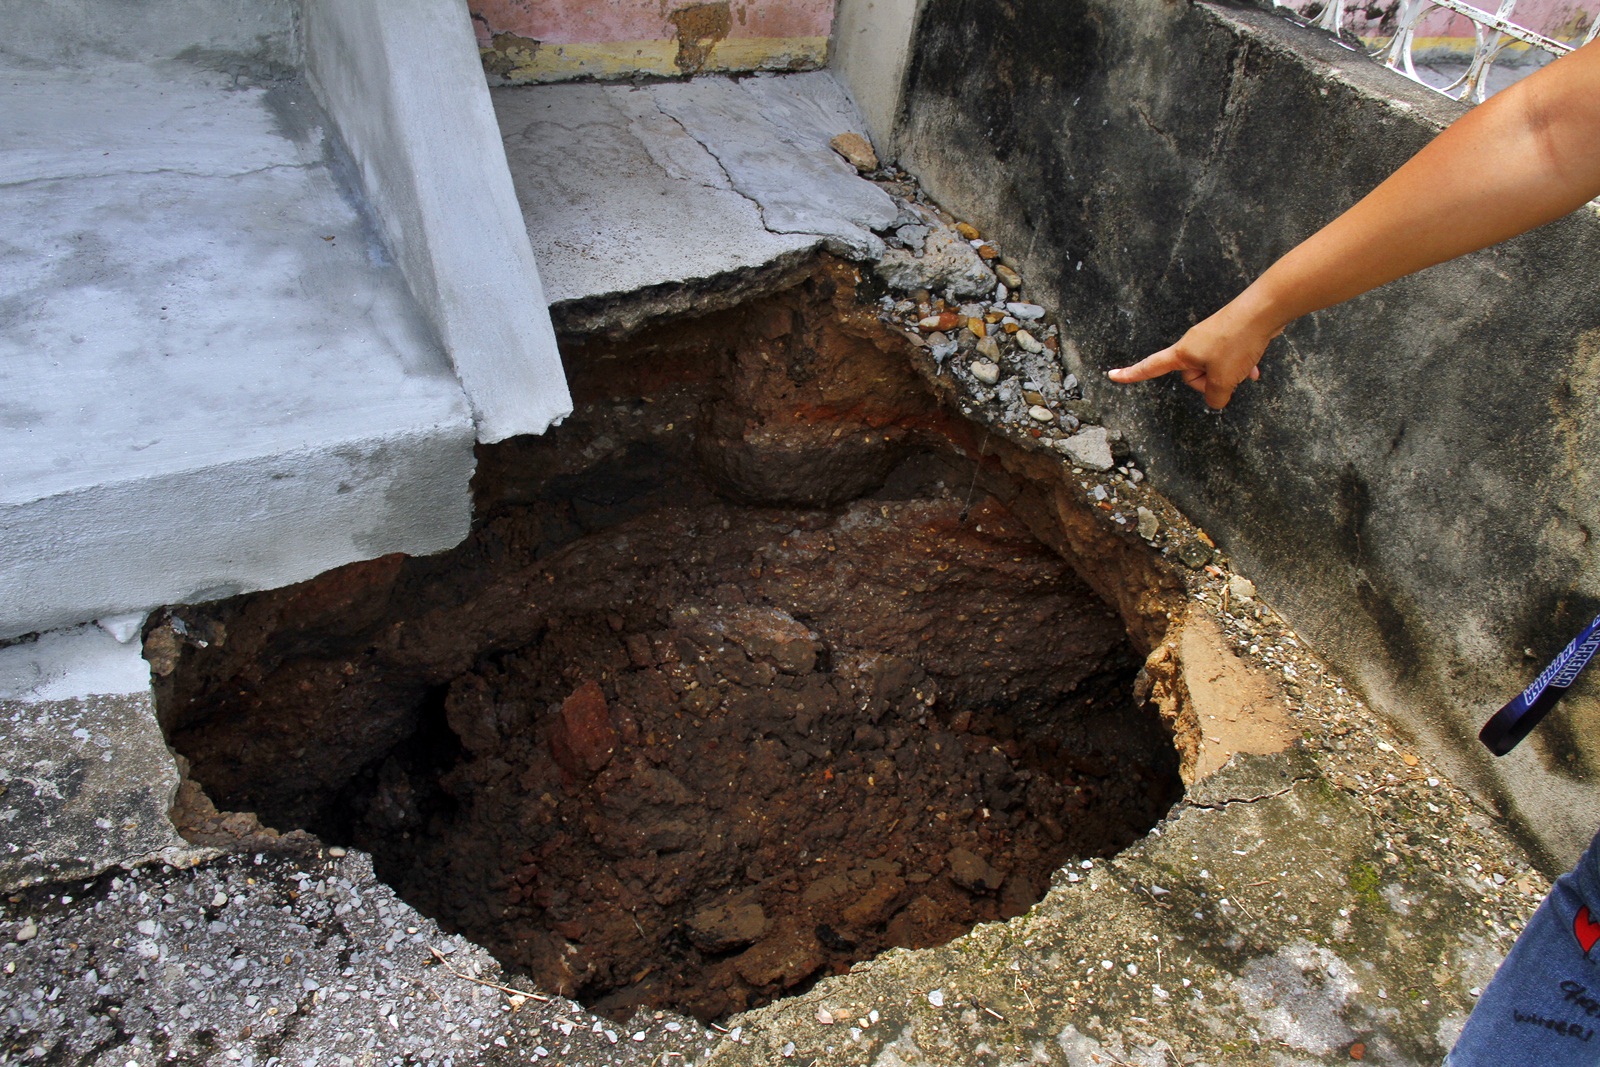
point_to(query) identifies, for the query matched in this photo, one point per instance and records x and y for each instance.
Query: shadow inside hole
(658, 746)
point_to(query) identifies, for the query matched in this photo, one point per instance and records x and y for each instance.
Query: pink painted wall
(599, 21)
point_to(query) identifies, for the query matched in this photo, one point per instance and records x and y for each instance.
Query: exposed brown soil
(748, 673)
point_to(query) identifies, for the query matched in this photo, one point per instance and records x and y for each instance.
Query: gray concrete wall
(82, 31)
(1414, 481)
(402, 82)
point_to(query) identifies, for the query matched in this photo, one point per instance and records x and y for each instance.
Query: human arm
(1528, 155)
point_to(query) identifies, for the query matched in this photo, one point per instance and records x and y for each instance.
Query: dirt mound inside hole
(675, 727)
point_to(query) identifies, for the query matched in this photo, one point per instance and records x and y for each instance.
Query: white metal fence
(1392, 36)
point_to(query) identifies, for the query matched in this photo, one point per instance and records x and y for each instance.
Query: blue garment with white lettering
(1543, 1007)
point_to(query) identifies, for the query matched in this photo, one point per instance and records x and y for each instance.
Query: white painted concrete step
(211, 377)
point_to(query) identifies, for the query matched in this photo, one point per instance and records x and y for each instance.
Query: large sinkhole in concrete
(750, 670)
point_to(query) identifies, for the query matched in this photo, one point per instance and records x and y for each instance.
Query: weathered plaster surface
(211, 376)
(401, 82)
(667, 191)
(1408, 482)
(558, 40)
(85, 776)
(239, 34)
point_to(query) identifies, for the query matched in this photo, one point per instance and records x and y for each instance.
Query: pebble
(986, 372)
(978, 327)
(1011, 278)
(967, 231)
(27, 931)
(1027, 342)
(856, 150)
(1149, 525)
(1040, 413)
(336, 852)
(1193, 554)
(989, 349)
(219, 900)
(936, 998)
(824, 1016)
(1089, 447)
(1241, 588)
(947, 320)
(1026, 312)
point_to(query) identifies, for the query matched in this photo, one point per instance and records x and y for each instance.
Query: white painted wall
(871, 47)
(401, 80)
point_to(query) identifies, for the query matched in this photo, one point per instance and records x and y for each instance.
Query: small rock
(1241, 588)
(1193, 554)
(967, 231)
(856, 150)
(989, 349)
(970, 871)
(988, 252)
(1033, 396)
(336, 852)
(1027, 342)
(27, 931)
(219, 899)
(986, 372)
(947, 320)
(824, 1016)
(1026, 312)
(978, 327)
(1089, 447)
(583, 739)
(913, 236)
(1040, 413)
(1149, 525)
(936, 997)
(1011, 278)
(947, 262)
(727, 926)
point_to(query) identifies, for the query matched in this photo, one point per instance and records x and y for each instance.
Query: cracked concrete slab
(198, 325)
(681, 196)
(771, 136)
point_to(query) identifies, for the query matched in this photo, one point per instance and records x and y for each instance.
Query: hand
(1213, 357)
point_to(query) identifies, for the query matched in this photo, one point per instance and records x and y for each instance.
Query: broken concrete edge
(617, 315)
(336, 502)
(86, 779)
(402, 83)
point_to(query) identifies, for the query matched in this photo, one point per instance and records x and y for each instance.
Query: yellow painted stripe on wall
(620, 59)
(1464, 45)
